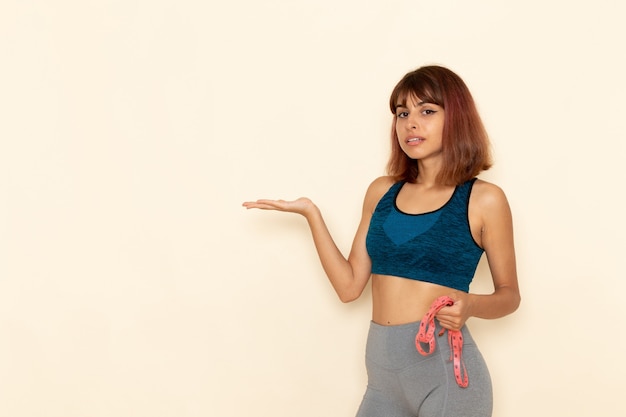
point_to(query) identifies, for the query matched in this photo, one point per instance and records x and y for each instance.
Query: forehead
(413, 100)
(416, 89)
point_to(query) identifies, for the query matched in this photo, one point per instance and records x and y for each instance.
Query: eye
(428, 111)
(402, 114)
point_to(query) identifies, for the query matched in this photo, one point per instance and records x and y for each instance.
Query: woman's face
(419, 126)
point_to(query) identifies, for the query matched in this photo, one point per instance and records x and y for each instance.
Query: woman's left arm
(491, 209)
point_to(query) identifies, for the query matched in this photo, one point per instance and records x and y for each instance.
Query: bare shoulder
(381, 184)
(489, 198)
(376, 190)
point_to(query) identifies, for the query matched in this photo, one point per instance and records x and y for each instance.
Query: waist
(398, 301)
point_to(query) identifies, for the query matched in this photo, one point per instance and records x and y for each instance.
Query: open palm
(300, 206)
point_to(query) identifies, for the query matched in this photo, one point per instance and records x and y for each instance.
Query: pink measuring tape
(426, 334)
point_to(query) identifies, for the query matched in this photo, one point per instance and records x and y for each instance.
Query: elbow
(517, 302)
(348, 296)
(510, 301)
(350, 287)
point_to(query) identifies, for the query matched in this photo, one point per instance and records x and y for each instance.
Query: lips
(414, 140)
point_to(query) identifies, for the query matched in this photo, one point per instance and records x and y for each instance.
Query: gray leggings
(403, 383)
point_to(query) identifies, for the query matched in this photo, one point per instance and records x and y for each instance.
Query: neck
(427, 172)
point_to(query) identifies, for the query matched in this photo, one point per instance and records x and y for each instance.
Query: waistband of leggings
(411, 329)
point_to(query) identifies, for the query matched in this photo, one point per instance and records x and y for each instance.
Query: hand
(455, 316)
(302, 205)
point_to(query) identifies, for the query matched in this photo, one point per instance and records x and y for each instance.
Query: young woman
(424, 228)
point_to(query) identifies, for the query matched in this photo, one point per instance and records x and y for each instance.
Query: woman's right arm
(347, 276)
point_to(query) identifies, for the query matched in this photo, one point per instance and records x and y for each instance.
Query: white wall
(134, 284)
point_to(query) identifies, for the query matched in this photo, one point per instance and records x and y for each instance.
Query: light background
(134, 284)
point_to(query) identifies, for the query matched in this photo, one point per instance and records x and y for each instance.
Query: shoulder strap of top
(464, 191)
(387, 200)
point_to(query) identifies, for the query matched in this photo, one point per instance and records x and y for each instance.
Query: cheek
(399, 142)
(397, 127)
(398, 138)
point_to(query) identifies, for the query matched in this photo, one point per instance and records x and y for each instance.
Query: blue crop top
(435, 247)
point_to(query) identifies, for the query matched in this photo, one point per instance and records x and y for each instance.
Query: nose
(412, 122)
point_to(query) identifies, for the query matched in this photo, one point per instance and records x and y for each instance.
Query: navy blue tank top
(435, 247)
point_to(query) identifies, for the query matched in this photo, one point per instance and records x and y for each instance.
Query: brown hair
(465, 143)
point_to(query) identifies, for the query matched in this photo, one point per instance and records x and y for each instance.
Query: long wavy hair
(465, 143)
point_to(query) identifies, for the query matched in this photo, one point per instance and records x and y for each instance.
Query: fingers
(264, 204)
(454, 324)
(302, 205)
(253, 204)
(452, 317)
(297, 206)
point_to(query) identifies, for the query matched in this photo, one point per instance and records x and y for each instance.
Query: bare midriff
(401, 300)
